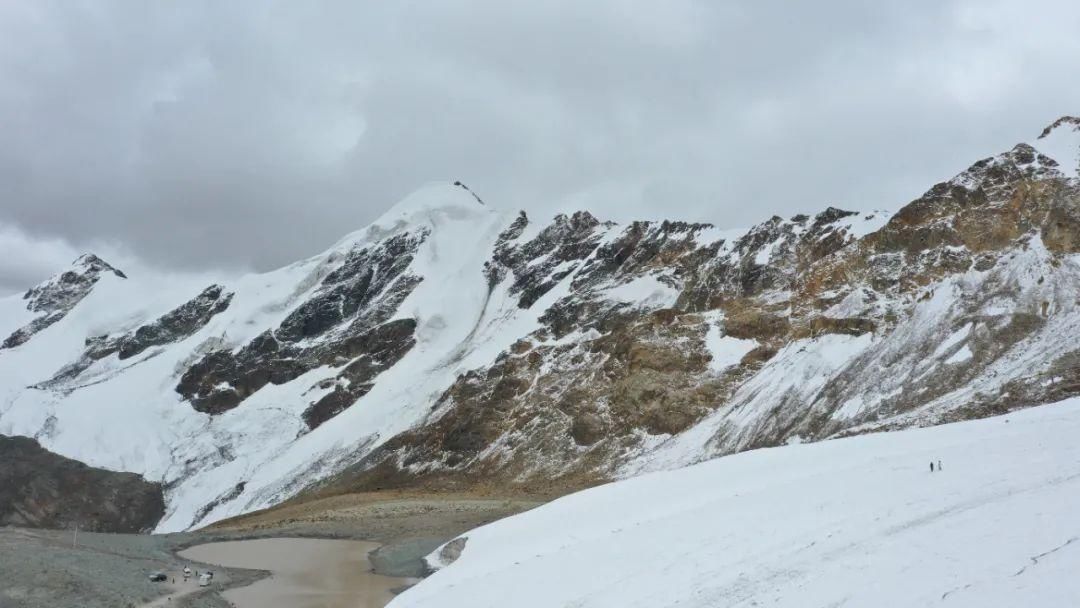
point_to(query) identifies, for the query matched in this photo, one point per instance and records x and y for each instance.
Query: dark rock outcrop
(539, 264)
(173, 326)
(45, 490)
(381, 348)
(1066, 122)
(24, 333)
(341, 325)
(178, 323)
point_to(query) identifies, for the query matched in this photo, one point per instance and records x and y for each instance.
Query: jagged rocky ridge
(349, 310)
(451, 345)
(57, 296)
(171, 327)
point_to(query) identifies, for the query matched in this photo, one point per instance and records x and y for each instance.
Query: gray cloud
(25, 260)
(248, 134)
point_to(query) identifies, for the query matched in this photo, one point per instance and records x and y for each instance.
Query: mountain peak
(432, 200)
(62, 291)
(55, 297)
(89, 262)
(1061, 141)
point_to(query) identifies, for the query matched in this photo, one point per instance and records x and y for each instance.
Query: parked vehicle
(204, 580)
(158, 577)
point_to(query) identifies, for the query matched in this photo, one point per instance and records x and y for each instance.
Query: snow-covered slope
(125, 414)
(851, 522)
(455, 345)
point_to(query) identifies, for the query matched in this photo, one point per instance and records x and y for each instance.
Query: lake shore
(41, 569)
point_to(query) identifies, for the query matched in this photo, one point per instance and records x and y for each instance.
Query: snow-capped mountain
(451, 344)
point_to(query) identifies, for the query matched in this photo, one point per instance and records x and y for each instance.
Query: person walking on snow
(931, 466)
(939, 466)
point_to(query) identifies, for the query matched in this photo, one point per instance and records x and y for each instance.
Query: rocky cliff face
(342, 323)
(452, 345)
(45, 490)
(797, 330)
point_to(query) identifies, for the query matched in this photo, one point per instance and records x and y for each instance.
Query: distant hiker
(939, 466)
(931, 466)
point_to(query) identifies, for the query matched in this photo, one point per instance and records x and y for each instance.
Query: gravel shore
(41, 568)
(408, 526)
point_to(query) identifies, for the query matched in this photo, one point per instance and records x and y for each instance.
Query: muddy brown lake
(307, 572)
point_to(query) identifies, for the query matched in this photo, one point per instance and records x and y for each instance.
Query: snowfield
(848, 522)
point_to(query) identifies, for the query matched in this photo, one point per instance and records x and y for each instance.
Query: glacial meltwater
(307, 572)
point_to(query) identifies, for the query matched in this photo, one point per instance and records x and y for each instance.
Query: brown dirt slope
(45, 490)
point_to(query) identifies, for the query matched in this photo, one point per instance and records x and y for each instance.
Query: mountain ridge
(451, 344)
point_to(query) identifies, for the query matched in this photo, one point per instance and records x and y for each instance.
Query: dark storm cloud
(249, 134)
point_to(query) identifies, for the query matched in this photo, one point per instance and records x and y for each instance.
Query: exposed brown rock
(41, 489)
(570, 410)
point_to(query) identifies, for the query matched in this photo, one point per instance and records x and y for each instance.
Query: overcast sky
(193, 135)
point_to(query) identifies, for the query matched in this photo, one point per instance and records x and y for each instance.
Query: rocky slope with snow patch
(958, 306)
(454, 345)
(56, 297)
